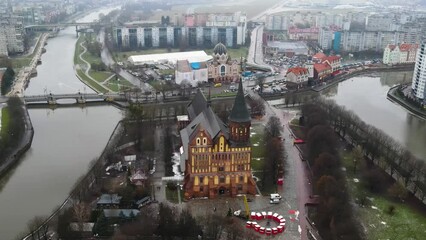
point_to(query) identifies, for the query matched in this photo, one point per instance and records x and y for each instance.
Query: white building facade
(419, 76)
(400, 54)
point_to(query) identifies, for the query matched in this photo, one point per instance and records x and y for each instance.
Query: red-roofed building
(297, 75)
(322, 70)
(318, 57)
(397, 54)
(333, 61)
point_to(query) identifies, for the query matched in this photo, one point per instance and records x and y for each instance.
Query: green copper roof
(239, 111)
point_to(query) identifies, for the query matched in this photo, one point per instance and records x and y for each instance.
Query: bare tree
(81, 213)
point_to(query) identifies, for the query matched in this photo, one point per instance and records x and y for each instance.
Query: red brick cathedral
(217, 156)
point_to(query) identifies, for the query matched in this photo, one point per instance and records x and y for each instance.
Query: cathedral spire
(240, 113)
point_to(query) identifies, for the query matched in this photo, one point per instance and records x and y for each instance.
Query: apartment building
(11, 35)
(306, 19)
(356, 41)
(199, 30)
(419, 76)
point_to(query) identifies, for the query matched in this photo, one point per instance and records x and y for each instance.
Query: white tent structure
(172, 58)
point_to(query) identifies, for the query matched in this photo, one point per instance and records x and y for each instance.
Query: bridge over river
(52, 99)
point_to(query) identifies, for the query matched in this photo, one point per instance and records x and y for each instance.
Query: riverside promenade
(24, 75)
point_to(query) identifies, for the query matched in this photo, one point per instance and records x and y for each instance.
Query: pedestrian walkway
(88, 67)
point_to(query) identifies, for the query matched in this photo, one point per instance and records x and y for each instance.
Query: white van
(275, 196)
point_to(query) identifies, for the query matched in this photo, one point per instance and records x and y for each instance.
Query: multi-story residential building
(141, 37)
(216, 157)
(356, 41)
(379, 23)
(198, 30)
(403, 53)
(329, 38)
(419, 76)
(297, 75)
(13, 34)
(305, 19)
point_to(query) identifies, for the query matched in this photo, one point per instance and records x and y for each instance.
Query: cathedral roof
(220, 49)
(239, 111)
(206, 120)
(197, 105)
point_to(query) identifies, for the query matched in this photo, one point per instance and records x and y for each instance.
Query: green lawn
(98, 88)
(172, 196)
(167, 71)
(235, 53)
(78, 50)
(114, 84)
(100, 76)
(18, 63)
(4, 121)
(405, 223)
(227, 94)
(91, 58)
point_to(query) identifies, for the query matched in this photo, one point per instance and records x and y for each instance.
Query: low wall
(394, 98)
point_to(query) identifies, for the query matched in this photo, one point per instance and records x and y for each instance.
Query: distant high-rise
(419, 76)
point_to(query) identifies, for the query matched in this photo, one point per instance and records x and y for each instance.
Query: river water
(366, 97)
(66, 140)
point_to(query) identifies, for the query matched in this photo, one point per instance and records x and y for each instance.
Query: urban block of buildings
(196, 66)
(351, 31)
(195, 30)
(11, 35)
(215, 156)
(402, 53)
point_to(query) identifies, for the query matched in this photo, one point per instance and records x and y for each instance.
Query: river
(366, 97)
(66, 140)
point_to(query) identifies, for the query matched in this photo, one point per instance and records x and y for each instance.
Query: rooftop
(192, 56)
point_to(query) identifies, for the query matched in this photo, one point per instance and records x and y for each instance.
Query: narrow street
(296, 188)
(159, 190)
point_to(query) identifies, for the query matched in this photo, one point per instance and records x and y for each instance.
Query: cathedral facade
(222, 68)
(216, 156)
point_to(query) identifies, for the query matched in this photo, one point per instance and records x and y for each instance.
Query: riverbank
(393, 97)
(24, 75)
(86, 182)
(23, 146)
(355, 73)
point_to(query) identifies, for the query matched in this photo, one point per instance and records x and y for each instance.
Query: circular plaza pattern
(268, 229)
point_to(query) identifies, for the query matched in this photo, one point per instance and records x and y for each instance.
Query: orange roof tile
(321, 67)
(331, 58)
(319, 55)
(298, 70)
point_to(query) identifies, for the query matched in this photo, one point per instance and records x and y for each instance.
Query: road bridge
(79, 26)
(51, 99)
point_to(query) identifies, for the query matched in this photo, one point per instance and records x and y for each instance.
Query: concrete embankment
(22, 147)
(355, 73)
(24, 75)
(392, 96)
